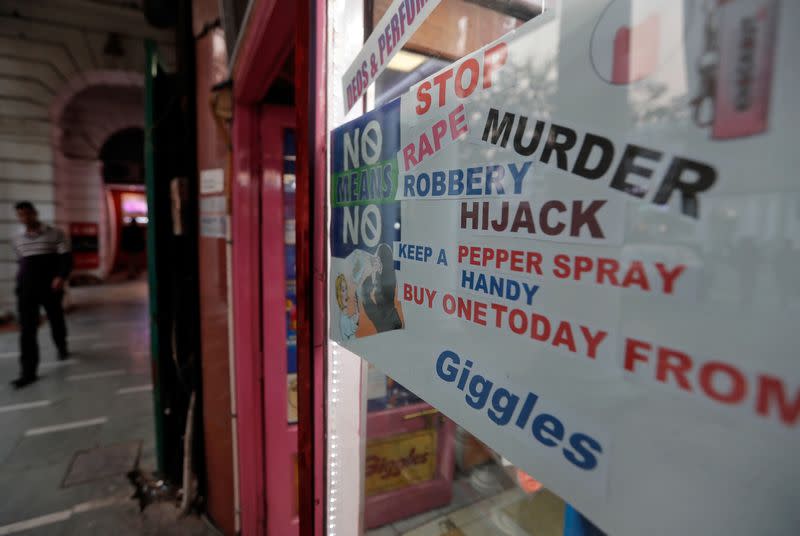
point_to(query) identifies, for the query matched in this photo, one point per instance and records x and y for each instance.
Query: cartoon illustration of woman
(371, 287)
(347, 299)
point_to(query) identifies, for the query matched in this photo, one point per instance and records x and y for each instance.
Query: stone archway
(87, 112)
(52, 51)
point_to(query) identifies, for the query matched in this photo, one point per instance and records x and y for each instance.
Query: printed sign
(397, 25)
(365, 223)
(595, 238)
(212, 181)
(84, 238)
(213, 220)
(400, 461)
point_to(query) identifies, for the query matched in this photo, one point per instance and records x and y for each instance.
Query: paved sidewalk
(67, 442)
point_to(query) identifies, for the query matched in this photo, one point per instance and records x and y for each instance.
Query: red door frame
(280, 443)
(272, 33)
(248, 345)
(312, 266)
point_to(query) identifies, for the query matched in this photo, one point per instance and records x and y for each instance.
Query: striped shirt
(46, 241)
(43, 255)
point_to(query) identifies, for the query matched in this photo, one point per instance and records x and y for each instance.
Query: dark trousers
(29, 300)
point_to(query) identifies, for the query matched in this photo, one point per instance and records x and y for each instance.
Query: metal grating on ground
(102, 462)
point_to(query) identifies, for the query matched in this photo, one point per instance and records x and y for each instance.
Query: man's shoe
(24, 381)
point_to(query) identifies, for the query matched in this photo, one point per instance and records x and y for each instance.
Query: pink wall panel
(212, 153)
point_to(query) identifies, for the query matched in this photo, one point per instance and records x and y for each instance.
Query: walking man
(45, 262)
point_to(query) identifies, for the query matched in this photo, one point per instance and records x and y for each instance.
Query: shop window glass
(598, 166)
(424, 475)
(289, 189)
(290, 239)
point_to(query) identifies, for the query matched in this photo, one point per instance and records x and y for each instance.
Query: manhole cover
(102, 462)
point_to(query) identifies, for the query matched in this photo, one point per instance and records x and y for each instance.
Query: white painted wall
(48, 52)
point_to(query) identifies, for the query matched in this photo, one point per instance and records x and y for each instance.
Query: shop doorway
(122, 157)
(266, 338)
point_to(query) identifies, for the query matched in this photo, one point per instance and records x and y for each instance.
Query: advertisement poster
(594, 228)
